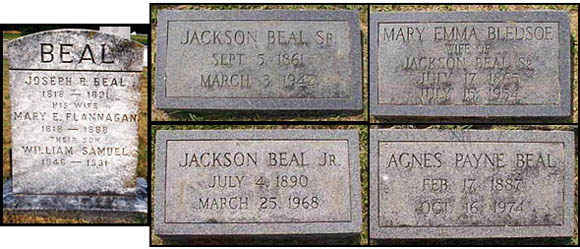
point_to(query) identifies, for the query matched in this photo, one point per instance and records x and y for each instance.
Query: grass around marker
(363, 157)
(572, 13)
(573, 240)
(159, 115)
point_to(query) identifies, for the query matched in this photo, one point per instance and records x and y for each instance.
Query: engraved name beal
(249, 159)
(467, 63)
(281, 181)
(288, 39)
(471, 184)
(466, 34)
(469, 160)
(65, 53)
(252, 37)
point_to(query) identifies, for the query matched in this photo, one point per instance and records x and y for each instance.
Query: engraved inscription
(468, 63)
(259, 59)
(463, 184)
(67, 123)
(257, 181)
(74, 113)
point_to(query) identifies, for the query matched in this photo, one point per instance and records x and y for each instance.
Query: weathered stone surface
(258, 60)
(288, 182)
(471, 184)
(87, 203)
(74, 110)
(472, 64)
(122, 31)
(104, 52)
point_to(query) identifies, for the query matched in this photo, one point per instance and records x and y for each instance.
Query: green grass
(573, 13)
(140, 38)
(549, 241)
(142, 164)
(363, 149)
(159, 115)
(10, 36)
(6, 131)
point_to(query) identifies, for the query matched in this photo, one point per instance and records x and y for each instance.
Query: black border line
(369, 125)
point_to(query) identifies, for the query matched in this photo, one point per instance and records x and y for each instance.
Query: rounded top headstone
(75, 49)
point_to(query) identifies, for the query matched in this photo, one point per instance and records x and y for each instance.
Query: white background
(113, 12)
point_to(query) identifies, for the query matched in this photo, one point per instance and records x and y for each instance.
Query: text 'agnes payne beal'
(471, 160)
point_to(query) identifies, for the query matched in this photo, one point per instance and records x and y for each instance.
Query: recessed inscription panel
(475, 64)
(257, 181)
(468, 63)
(68, 124)
(470, 184)
(258, 59)
(74, 113)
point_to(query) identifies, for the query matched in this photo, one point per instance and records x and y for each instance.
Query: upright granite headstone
(471, 184)
(122, 31)
(470, 64)
(258, 60)
(145, 64)
(257, 183)
(74, 109)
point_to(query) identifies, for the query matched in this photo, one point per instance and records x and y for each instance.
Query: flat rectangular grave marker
(470, 64)
(258, 60)
(260, 182)
(471, 184)
(74, 110)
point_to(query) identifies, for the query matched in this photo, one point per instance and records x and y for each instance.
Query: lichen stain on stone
(91, 34)
(130, 182)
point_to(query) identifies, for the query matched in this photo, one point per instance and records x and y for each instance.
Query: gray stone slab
(258, 60)
(471, 184)
(84, 203)
(470, 64)
(74, 113)
(262, 197)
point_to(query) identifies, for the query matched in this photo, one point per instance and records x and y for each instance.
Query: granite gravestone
(122, 31)
(471, 184)
(259, 60)
(74, 110)
(260, 182)
(470, 64)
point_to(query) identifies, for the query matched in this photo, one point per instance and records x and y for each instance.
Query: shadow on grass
(476, 242)
(473, 120)
(72, 217)
(264, 240)
(265, 115)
